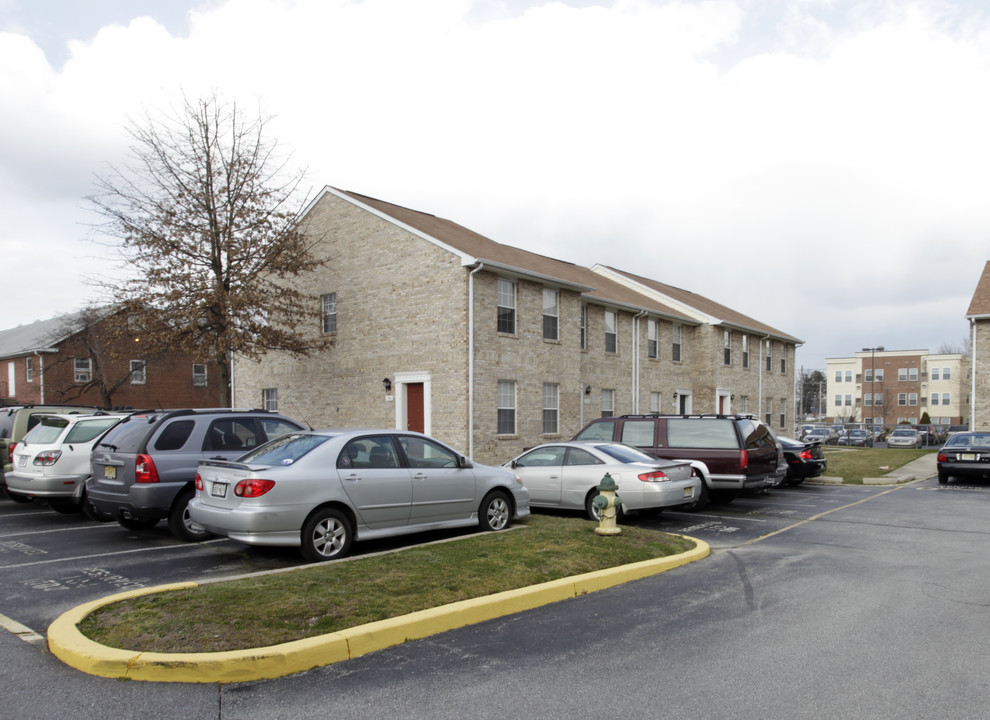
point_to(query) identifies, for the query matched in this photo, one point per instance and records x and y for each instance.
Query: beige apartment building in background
(492, 348)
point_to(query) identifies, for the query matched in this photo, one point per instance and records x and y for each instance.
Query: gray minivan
(144, 469)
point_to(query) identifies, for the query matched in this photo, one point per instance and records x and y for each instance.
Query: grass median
(853, 464)
(319, 599)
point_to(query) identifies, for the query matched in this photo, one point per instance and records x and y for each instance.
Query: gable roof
(39, 336)
(601, 285)
(979, 306)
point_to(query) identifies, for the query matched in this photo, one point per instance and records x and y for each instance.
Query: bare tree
(206, 223)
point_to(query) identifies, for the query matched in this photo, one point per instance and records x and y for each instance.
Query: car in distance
(857, 438)
(821, 435)
(804, 460)
(904, 437)
(965, 454)
(144, 469)
(52, 461)
(323, 490)
(567, 475)
(731, 453)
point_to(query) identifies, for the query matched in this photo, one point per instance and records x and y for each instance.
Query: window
(769, 357)
(584, 327)
(329, 312)
(879, 375)
(849, 400)
(138, 375)
(745, 351)
(868, 375)
(868, 400)
(783, 412)
(675, 346)
(269, 399)
(902, 374)
(934, 373)
(946, 398)
(744, 404)
(769, 413)
(29, 369)
(902, 399)
(849, 375)
(838, 376)
(551, 313)
(652, 332)
(912, 398)
(946, 374)
(838, 400)
(934, 398)
(654, 402)
(506, 306)
(199, 374)
(551, 413)
(83, 369)
(608, 403)
(611, 338)
(727, 347)
(913, 374)
(506, 407)
(783, 360)
(877, 399)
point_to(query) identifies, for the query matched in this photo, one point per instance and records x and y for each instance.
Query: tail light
(47, 458)
(10, 452)
(199, 482)
(145, 470)
(744, 459)
(942, 457)
(655, 476)
(253, 487)
(806, 455)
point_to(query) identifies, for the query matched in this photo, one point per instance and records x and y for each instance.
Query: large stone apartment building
(492, 348)
(889, 387)
(978, 315)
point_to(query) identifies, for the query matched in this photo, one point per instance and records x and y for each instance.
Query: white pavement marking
(22, 631)
(109, 554)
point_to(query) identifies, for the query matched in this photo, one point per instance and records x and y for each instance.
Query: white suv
(52, 461)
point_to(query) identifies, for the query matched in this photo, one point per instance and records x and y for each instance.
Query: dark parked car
(804, 460)
(965, 454)
(144, 469)
(857, 438)
(821, 435)
(736, 452)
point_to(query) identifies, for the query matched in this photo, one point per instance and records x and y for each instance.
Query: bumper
(49, 486)
(144, 502)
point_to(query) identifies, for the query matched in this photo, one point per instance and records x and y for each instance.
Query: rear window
(625, 454)
(756, 434)
(45, 432)
(713, 433)
(598, 431)
(130, 434)
(86, 430)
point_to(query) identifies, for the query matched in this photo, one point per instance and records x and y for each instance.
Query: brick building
(978, 315)
(492, 348)
(66, 360)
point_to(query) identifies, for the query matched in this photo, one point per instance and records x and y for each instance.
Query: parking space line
(716, 517)
(110, 554)
(58, 530)
(22, 631)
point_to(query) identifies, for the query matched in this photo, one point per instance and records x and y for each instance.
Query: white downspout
(470, 423)
(759, 408)
(635, 362)
(972, 375)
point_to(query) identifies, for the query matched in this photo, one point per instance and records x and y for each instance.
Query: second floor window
(329, 312)
(506, 306)
(745, 351)
(199, 375)
(675, 346)
(551, 313)
(934, 398)
(611, 337)
(269, 399)
(82, 370)
(769, 357)
(138, 372)
(652, 332)
(727, 347)
(584, 327)
(28, 369)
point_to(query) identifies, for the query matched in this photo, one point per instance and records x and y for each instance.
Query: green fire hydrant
(608, 503)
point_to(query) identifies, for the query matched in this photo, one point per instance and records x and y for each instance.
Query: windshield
(902, 433)
(284, 450)
(625, 454)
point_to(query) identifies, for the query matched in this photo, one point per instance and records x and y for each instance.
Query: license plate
(22, 461)
(689, 492)
(110, 472)
(219, 490)
(967, 456)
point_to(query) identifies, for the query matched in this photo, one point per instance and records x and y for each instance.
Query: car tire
(179, 522)
(136, 523)
(16, 497)
(495, 512)
(91, 511)
(943, 479)
(326, 535)
(64, 507)
(591, 512)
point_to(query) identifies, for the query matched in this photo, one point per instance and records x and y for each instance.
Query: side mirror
(465, 462)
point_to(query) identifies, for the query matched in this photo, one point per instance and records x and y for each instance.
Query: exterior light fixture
(388, 384)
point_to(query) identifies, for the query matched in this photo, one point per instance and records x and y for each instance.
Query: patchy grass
(852, 464)
(324, 598)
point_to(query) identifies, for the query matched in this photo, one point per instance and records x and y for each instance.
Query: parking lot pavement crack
(748, 592)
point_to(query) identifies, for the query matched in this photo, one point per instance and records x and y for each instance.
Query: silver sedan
(567, 474)
(322, 490)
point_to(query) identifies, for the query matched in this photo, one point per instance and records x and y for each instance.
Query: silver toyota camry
(322, 490)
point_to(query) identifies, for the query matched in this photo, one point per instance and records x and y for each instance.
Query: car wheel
(91, 511)
(179, 522)
(943, 479)
(137, 523)
(592, 512)
(64, 507)
(495, 512)
(700, 501)
(723, 497)
(326, 535)
(18, 498)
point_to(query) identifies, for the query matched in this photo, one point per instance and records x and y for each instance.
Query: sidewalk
(920, 469)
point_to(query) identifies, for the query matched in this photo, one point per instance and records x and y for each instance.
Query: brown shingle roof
(980, 304)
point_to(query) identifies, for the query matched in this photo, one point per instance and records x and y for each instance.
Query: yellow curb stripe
(73, 648)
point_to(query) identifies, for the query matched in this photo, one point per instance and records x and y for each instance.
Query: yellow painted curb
(73, 648)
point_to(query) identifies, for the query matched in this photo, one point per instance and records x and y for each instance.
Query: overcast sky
(820, 165)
